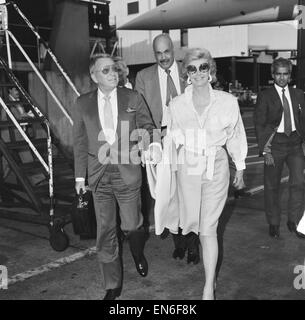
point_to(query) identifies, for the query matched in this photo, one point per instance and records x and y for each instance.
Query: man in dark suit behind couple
(105, 131)
(158, 84)
(279, 119)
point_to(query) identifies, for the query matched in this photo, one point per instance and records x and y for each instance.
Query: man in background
(279, 122)
(158, 84)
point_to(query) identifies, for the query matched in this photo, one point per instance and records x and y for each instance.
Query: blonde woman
(202, 122)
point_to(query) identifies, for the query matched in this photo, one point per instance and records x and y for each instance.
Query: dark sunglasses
(204, 67)
(107, 69)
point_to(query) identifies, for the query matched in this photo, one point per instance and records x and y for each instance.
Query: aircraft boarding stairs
(36, 175)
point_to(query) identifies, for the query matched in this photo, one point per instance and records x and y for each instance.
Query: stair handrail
(46, 85)
(46, 46)
(23, 91)
(24, 135)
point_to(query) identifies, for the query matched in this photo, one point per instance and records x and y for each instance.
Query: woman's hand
(238, 181)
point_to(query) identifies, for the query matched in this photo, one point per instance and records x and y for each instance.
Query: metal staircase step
(13, 103)
(25, 121)
(63, 191)
(23, 144)
(61, 167)
(5, 85)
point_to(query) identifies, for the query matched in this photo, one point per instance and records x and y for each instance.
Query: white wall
(273, 35)
(221, 41)
(137, 45)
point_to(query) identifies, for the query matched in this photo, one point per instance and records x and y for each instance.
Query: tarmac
(251, 266)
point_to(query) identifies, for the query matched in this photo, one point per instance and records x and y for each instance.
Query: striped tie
(171, 91)
(287, 116)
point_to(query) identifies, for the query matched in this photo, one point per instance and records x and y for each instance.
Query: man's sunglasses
(204, 67)
(107, 69)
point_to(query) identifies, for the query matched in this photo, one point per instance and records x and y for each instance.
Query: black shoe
(141, 265)
(274, 231)
(164, 234)
(111, 294)
(300, 235)
(179, 253)
(291, 226)
(193, 256)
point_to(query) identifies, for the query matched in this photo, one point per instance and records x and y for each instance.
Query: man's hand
(80, 185)
(269, 161)
(154, 153)
(238, 181)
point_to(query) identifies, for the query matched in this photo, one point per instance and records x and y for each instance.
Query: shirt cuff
(79, 179)
(240, 165)
(155, 144)
(178, 137)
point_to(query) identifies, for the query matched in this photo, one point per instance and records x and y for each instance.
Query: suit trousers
(112, 190)
(285, 150)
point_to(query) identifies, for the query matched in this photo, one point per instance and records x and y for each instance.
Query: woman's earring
(189, 81)
(210, 78)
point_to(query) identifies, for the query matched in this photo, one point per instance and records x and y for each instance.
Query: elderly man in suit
(108, 123)
(158, 84)
(279, 121)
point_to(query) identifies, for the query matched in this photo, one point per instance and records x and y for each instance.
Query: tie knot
(168, 72)
(283, 90)
(106, 98)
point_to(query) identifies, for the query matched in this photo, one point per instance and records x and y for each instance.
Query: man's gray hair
(96, 57)
(281, 62)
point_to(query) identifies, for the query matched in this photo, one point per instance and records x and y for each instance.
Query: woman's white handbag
(301, 225)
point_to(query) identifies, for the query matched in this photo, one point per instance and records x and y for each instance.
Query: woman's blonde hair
(199, 53)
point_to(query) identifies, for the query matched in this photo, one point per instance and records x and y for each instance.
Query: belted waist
(205, 152)
(210, 154)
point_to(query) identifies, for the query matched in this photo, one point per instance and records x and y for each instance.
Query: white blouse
(220, 124)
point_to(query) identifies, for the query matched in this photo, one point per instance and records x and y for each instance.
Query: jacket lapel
(122, 103)
(155, 92)
(93, 111)
(181, 80)
(276, 98)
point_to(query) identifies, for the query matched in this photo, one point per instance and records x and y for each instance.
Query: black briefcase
(83, 216)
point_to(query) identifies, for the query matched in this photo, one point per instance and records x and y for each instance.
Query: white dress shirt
(220, 124)
(279, 89)
(174, 72)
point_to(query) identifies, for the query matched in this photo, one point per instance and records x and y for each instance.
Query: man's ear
(93, 77)
(127, 71)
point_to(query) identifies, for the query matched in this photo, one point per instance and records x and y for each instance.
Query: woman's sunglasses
(107, 69)
(204, 67)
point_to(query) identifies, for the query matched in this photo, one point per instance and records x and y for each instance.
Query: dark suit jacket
(90, 148)
(147, 83)
(268, 114)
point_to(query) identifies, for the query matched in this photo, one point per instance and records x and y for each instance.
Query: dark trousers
(285, 150)
(112, 191)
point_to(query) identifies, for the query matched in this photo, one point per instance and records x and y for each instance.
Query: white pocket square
(130, 110)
